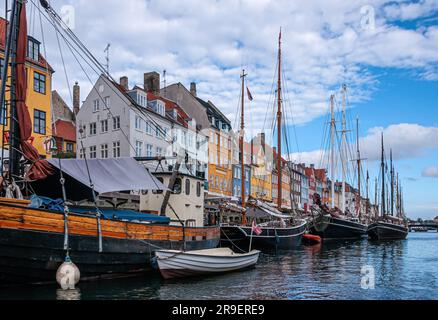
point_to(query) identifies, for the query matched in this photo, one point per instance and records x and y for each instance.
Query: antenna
(107, 57)
(164, 80)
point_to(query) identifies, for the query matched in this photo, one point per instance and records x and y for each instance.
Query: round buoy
(68, 275)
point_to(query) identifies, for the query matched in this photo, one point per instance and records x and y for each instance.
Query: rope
(235, 245)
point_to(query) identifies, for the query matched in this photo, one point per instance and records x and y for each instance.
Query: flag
(249, 94)
(255, 228)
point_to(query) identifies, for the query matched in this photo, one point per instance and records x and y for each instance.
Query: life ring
(49, 144)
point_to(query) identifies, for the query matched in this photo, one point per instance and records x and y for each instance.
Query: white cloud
(430, 172)
(210, 41)
(406, 140)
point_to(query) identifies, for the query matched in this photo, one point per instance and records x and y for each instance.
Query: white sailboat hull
(175, 264)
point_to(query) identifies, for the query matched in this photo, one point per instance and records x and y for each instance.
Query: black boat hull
(34, 256)
(331, 228)
(387, 231)
(239, 237)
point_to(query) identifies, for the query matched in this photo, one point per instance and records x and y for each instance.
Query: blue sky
(385, 51)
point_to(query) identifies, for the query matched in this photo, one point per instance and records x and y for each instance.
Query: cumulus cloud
(406, 140)
(324, 45)
(430, 172)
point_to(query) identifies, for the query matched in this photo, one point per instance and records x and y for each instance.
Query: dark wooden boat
(329, 227)
(387, 230)
(31, 244)
(271, 237)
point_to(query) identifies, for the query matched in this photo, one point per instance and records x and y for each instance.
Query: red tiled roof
(41, 60)
(170, 105)
(65, 129)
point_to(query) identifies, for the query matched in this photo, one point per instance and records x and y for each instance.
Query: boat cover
(107, 175)
(269, 210)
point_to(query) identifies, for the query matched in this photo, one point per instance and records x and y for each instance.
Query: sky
(386, 52)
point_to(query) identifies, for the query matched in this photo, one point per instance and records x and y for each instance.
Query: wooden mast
(332, 148)
(241, 147)
(382, 165)
(344, 144)
(358, 169)
(279, 171)
(392, 183)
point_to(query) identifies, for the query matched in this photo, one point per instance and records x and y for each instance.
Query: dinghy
(177, 264)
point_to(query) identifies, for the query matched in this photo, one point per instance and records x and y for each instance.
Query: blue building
(305, 192)
(237, 178)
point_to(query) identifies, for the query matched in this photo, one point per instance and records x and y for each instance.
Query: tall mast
(392, 183)
(382, 165)
(344, 143)
(375, 199)
(279, 171)
(332, 147)
(367, 194)
(358, 168)
(241, 145)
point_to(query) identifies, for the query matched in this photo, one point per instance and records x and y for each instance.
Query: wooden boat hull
(331, 228)
(31, 244)
(176, 264)
(269, 239)
(387, 231)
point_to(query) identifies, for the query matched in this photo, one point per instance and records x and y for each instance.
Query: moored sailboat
(387, 226)
(280, 231)
(333, 223)
(38, 234)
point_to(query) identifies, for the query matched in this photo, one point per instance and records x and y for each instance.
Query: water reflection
(404, 270)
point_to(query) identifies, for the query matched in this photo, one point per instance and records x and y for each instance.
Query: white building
(115, 121)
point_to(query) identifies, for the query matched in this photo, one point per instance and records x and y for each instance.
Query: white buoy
(68, 275)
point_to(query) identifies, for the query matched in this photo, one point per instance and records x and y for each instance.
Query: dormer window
(160, 108)
(33, 48)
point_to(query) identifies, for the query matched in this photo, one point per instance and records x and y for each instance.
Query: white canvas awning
(109, 175)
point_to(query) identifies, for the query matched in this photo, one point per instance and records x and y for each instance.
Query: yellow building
(219, 164)
(38, 95)
(261, 169)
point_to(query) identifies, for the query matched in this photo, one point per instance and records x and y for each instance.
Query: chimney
(312, 166)
(193, 88)
(124, 82)
(152, 82)
(76, 98)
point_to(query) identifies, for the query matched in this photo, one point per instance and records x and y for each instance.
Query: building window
(116, 149)
(148, 150)
(158, 131)
(177, 186)
(69, 147)
(82, 153)
(148, 128)
(2, 65)
(92, 128)
(104, 151)
(198, 189)
(33, 49)
(39, 121)
(138, 147)
(96, 105)
(116, 123)
(187, 187)
(159, 151)
(106, 102)
(39, 82)
(3, 114)
(93, 152)
(104, 126)
(137, 123)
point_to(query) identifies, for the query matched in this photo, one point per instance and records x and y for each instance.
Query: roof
(64, 129)
(41, 60)
(212, 109)
(171, 105)
(60, 109)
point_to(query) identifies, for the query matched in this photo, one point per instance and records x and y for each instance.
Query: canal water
(405, 269)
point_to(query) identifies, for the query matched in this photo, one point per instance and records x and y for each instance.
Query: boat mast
(392, 182)
(10, 57)
(332, 148)
(382, 165)
(279, 171)
(358, 169)
(367, 195)
(241, 146)
(344, 143)
(376, 206)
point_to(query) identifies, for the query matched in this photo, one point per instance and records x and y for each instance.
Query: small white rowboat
(176, 264)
